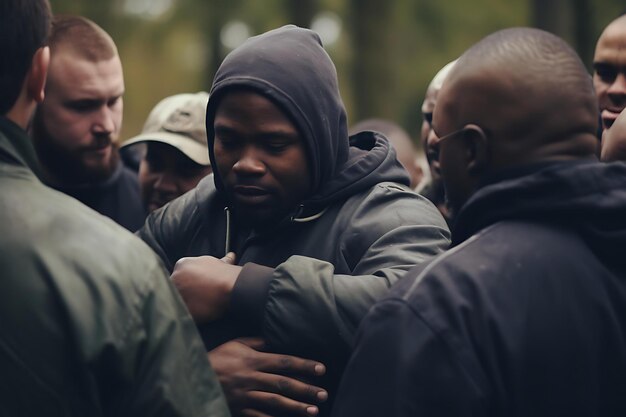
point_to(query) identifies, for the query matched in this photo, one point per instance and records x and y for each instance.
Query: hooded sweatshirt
(306, 284)
(525, 316)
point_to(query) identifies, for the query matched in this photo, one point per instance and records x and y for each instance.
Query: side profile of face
(609, 75)
(165, 173)
(261, 158)
(426, 132)
(432, 155)
(455, 150)
(614, 140)
(79, 122)
(455, 175)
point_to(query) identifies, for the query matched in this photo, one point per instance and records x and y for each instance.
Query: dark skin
(256, 379)
(255, 382)
(614, 140)
(262, 163)
(166, 173)
(492, 114)
(609, 75)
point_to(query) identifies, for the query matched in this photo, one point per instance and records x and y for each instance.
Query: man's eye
(155, 161)
(429, 119)
(226, 143)
(156, 165)
(433, 153)
(276, 146)
(81, 106)
(113, 101)
(606, 74)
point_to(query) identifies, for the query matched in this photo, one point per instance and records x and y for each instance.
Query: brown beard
(67, 168)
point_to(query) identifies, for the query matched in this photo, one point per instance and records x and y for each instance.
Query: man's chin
(99, 165)
(98, 173)
(87, 170)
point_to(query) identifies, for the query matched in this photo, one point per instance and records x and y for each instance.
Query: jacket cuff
(247, 302)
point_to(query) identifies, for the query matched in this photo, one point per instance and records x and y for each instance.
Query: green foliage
(180, 50)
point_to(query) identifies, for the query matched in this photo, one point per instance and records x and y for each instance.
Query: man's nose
(249, 162)
(104, 122)
(618, 87)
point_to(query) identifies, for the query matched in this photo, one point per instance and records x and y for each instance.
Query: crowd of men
(284, 265)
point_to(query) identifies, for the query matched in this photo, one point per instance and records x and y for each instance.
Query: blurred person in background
(401, 142)
(175, 155)
(77, 126)
(433, 189)
(609, 71)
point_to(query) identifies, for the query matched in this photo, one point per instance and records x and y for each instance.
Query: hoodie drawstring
(227, 243)
(310, 218)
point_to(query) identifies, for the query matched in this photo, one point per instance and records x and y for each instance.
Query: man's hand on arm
(256, 383)
(205, 284)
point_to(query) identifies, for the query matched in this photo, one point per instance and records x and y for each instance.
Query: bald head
(428, 106)
(519, 96)
(529, 90)
(435, 85)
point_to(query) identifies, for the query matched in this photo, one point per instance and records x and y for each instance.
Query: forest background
(386, 51)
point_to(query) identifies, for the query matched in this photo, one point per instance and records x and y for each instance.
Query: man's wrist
(249, 294)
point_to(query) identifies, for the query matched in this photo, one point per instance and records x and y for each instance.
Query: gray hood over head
(290, 67)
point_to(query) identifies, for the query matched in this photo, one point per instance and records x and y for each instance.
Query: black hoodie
(306, 284)
(525, 316)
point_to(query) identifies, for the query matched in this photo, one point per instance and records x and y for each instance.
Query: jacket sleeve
(171, 375)
(310, 308)
(401, 368)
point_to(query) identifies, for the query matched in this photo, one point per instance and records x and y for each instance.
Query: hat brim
(192, 149)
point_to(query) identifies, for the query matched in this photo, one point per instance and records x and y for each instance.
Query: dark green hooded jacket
(89, 323)
(306, 284)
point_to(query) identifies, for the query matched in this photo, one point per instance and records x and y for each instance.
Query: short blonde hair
(82, 37)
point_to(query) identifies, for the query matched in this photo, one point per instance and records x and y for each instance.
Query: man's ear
(477, 149)
(36, 77)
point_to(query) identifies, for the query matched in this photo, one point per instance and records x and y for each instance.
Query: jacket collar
(16, 146)
(559, 192)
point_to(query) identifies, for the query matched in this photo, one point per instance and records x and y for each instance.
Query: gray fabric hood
(290, 67)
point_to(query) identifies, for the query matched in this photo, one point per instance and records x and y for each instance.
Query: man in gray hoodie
(319, 226)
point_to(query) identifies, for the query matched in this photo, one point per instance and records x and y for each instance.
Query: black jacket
(306, 283)
(117, 198)
(525, 316)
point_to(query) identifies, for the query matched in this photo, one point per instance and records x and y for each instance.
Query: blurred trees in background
(386, 51)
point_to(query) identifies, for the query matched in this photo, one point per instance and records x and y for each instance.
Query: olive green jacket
(90, 325)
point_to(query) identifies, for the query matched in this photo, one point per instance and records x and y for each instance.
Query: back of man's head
(82, 37)
(520, 96)
(24, 27)
(543, 109)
